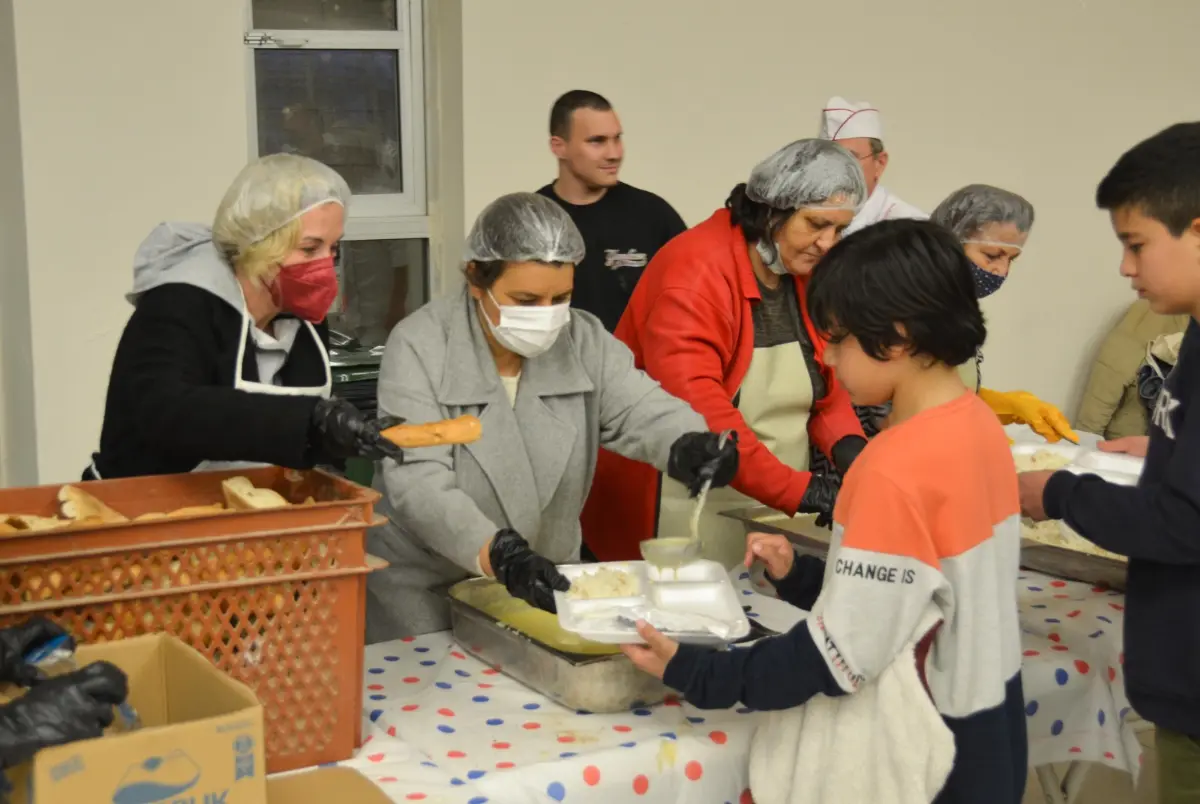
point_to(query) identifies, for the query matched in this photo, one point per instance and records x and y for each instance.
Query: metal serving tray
(801, 530)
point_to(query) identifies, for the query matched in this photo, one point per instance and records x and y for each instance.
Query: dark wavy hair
(756, 220)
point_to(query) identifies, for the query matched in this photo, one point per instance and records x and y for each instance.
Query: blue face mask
(986, 283)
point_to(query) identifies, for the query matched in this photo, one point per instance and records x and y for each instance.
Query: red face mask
(307, 289)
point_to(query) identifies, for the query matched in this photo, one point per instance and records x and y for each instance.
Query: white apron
(242, 384)
(775, 400)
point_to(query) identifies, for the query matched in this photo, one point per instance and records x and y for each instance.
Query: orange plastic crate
(275, 598)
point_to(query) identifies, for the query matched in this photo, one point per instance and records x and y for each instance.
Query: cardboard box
(343, 785)
(201, 741)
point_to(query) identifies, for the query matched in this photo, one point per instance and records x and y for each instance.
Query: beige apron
(775, 400)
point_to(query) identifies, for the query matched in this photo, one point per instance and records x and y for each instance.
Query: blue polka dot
(495, 721)
(744, 710)
(1056, 728)
(582, 712)
(327, 765)
(378, 697)
(1101, 717)
(747, 592)
(478, 800)
(428, 663)
(1104, 619)
(628, 745)
(752, 614)
(428, 764)
(480, 699)
(475, 774)
(745, 576)
(457, 782)
(1061, 677)
(462, 674)
(444, 729)
(376, 714)
(1038, 606)
(1095, 634)
(566, 755)
(1123, 713)
(1035, 589)
(532, 706)
(376, 671)
(1031, 708)
(695, 719)
(442, 685)
(1053, 620)
(391, 658)
(421, 650)
(556, 791)
(670, 735)
(642, 712)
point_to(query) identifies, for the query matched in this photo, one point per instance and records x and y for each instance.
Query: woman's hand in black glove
(695, 457)
(18, 641)
(845, 451)
(819, 498)
(77, 706)
(523, 572)
(345, 432)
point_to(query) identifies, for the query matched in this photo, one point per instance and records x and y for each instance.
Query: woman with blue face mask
(993, 225)
(550, 386)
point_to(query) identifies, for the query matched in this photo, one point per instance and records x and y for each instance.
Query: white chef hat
(843, 120)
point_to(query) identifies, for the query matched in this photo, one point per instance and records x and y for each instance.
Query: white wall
(131, 112)
(1039, 96)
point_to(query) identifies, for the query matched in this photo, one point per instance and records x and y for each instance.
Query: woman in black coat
(225, 361)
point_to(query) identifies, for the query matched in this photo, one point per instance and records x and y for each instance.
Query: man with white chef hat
(858, 128)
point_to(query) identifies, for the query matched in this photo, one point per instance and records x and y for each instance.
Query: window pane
(341, 107)
(380, 282)
(325, 15)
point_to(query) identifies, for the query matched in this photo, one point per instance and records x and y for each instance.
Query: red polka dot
(622, 729)
(1082, 666)
(411, 680)
(1121, 659)
(746, 798)
(1141, 757)
(1109, 755)
(501, 746)
(693, 770)
(1076, 749)
(1112, 674)
(415, 797)
(370, 737)
(566, 738)
(718, 737)
(456, 754)
(491, 671)
(1054, 638)
(640, 784)
(1058, 584)
(591, 775)
(387, 779)
(410, 707)
(476, 648)
(531, 726)
(1117, 607)
(485, 686)
(1062, 597)
(1032, 653)
(671, 700)
(1099, 590)
(375, 687)
(457, 655)
(408, 639)
(391, 732)
(446, 712)
(1075, 613)
(504, 765)
(375, 758)
(1060, 648)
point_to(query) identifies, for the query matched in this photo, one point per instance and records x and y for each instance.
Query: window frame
(382, 216)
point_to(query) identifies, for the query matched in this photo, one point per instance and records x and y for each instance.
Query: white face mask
(528, 331)
(768, 250)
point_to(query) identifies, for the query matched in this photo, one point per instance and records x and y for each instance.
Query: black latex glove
(77, 706)
(18, 641)
(845, 451)
(523, 572)
(344, 431)
(819, 499)
(695, 457)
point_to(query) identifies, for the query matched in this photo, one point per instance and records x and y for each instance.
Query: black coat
(171, 402)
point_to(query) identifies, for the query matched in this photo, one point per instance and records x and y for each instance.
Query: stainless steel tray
(600, 684)
(1073, 565)
(800, 530)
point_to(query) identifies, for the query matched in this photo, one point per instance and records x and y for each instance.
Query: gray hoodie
(184, 253)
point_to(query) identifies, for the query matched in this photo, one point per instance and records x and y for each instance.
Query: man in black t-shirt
(622, 226)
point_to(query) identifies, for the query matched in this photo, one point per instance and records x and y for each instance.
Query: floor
(1106, 786)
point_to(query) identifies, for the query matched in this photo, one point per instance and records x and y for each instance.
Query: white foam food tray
(692, 598)
(1122, 470)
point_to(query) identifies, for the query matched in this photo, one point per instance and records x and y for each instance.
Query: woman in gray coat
(550, 386)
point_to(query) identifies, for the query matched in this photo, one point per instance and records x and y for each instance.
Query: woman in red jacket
(719, 319)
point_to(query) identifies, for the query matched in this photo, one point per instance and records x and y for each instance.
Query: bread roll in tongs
(463, 430)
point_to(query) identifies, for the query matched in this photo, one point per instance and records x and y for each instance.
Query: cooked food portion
(604, 582)
(1057, 534)
(493, 599)
(1043, 460)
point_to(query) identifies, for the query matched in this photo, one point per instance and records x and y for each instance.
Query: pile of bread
(77, 508)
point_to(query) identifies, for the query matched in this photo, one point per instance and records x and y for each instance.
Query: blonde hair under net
(808, 173)
(255, 225)
(524, 227)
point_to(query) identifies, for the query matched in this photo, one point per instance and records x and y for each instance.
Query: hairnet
(808, 173)
(967, 211)
(270, 193)
(524, 227)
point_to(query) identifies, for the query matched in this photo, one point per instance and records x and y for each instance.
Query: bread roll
(241, 495)
(76, 504)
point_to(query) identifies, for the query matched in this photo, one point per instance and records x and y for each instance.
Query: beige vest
(775, 401)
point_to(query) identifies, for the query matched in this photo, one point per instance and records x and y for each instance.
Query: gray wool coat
(531, 469)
